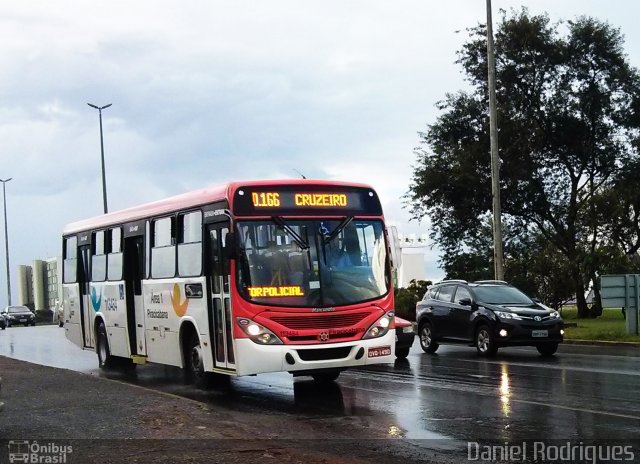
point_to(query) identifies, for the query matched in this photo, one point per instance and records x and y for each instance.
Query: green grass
(608, 327)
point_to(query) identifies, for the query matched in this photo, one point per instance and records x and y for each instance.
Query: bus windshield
(305, 263)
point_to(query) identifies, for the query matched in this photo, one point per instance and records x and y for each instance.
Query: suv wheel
(485, 342)
(427, 342)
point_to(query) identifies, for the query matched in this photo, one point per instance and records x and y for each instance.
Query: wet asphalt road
(583, 393)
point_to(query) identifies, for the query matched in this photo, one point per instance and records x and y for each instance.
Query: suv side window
(430, 294)
(446, 292)
(461, 292)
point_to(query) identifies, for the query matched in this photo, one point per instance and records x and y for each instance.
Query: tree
(568, 119)
(406, 298)
(532, 265)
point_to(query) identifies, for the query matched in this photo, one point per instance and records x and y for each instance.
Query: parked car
(405, 333)
(3, 321)
(19, 315)
(487, 314)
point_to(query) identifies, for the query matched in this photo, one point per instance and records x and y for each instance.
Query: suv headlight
(554, 315)
(505, 315)
(258, 333)
(380, 327)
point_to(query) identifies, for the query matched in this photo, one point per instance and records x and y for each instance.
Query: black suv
(486, 314)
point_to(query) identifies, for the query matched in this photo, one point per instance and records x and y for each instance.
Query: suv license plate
(539, 333)
(379, 351)
(23, 320)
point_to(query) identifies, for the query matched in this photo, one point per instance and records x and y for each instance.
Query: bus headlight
(380, 327)
(258, 333)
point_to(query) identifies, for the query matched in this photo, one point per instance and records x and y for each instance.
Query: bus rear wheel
(105, 360)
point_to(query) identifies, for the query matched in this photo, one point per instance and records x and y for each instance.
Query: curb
(601, 343)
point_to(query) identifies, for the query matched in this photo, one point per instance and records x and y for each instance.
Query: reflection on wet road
(582, 393)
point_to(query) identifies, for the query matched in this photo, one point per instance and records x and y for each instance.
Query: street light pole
(6, 238)
(498, 257)
(104, 180)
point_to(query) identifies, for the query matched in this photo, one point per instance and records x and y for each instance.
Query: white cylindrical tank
(39, 285)
(25, 296)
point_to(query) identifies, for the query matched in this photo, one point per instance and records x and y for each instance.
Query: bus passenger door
(222, 320)
(133, 272)
(86, 312)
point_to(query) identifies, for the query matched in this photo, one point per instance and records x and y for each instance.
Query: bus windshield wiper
(345, 222)
(292, 233)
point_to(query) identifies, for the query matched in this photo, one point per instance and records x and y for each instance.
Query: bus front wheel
(195, 363)
(326, 376)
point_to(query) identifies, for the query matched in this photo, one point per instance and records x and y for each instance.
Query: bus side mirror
(230, 246)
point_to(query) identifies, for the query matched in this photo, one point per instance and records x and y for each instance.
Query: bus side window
(163, 251)
(190, 244)
(98, 257)
(114, 255)
(70, 260)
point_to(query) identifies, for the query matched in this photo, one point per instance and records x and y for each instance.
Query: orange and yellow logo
(179, 307)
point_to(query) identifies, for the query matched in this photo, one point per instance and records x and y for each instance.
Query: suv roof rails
(457, 281)
(491, 282)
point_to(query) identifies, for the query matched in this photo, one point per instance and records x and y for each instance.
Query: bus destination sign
(321, 200)
(308, 199)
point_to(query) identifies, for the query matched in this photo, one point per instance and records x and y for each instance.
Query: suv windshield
(312, 262)
(501, 294)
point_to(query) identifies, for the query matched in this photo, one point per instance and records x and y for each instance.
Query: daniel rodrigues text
(540, 451)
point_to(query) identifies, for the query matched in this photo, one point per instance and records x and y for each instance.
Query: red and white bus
(246, 278)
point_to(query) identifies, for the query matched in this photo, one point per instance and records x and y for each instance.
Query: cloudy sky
(209, 91)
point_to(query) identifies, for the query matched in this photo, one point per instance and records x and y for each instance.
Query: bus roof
(187, 200)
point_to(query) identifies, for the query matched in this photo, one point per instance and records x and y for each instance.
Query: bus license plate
(539, 333)
(379, 351)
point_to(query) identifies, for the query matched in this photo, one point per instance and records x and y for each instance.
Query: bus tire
(195, 363)
(326, 376)
(105, 360)
(547, 349)
(402, 353)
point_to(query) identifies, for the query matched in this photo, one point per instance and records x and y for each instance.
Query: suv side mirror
(464, 301)
(536, 300)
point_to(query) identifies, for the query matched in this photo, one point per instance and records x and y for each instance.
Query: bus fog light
(264, 338)
(503, 333)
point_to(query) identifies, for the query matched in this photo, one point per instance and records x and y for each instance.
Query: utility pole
(495, 158)
(6, 238)
(104, 181)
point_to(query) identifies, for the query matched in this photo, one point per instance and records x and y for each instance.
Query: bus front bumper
(252, 358)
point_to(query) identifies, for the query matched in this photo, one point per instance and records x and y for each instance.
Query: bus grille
(324, 354)
(325, 321)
